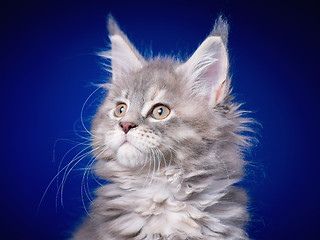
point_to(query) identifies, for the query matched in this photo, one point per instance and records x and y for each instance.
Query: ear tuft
(112, 26)
(221, 29)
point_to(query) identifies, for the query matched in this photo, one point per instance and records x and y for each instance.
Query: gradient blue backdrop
(47, 65)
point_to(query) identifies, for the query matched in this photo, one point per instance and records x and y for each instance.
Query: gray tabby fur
(176, 179)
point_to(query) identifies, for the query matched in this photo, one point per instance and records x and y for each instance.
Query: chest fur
(149, 211)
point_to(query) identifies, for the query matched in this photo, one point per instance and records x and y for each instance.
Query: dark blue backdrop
(47, 65)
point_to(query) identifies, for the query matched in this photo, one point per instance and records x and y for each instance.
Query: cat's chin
(130, 156)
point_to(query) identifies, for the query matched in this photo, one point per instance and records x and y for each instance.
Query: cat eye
(160, 112)
(120, 110)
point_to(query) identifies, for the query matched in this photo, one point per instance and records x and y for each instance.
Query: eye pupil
(120, 110)
(160, 112)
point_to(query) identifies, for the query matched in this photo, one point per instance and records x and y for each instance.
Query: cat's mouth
(125, 141)
(128, 143)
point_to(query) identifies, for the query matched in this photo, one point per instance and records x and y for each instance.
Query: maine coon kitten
(168, 136)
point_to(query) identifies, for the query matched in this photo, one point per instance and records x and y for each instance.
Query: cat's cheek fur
(114, 139)
(144, 139)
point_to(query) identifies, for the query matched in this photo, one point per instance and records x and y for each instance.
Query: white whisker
(144, 164)
(65, 155)
(149, 169)
(84, 187)
(82, 109)
(154, 166)
(53, 179)
(76, 159)
(224, 167)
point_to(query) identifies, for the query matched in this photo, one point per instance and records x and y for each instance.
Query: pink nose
(126, 126)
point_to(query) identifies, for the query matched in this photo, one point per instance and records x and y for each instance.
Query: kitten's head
(163, 112)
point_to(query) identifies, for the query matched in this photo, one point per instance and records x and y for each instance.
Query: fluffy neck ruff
(170, 205)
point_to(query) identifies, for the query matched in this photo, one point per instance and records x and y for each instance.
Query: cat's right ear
(206, 71)
(123, 55)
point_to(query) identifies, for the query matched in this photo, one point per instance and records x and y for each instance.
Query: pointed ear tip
(111, 19)
(110, 16)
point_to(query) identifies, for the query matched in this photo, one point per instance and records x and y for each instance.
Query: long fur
(175, 179)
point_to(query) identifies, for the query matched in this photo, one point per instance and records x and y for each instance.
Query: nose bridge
(133, 114)
(130, 116)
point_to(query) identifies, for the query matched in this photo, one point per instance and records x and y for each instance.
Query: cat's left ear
(206, 71)
(123, 55)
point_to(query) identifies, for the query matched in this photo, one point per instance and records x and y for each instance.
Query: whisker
(82, 109)
(149, 161)
(95, 179)
(224, 167)
(180, 163)
(65, 155)
(68, 171)
(63, 182)
(85, 176)
(53, 179)
(65, 140)
(163, 157)
(154, 166)
(74, 159)
(170, 149)
(85, 189)
(144, 164)
(88, 170)
(170, 161)
(159, 161)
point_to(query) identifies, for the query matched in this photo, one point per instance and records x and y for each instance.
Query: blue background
(48, 65)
